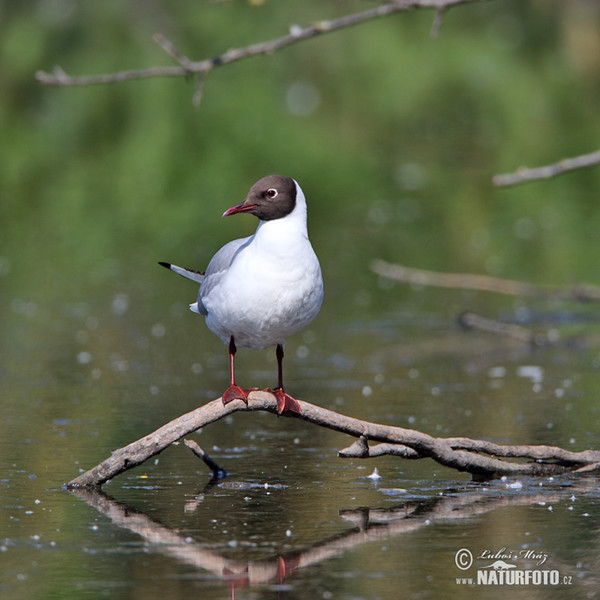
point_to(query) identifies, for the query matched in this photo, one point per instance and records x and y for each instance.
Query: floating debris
(374, 476)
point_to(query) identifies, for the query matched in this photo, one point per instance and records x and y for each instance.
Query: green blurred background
(394, 136)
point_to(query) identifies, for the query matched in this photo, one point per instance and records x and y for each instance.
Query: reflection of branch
(203, 67)
(480, 458)
(368, 525)
(483, 283)
(175, 545)
(524, 174)
(471, 320)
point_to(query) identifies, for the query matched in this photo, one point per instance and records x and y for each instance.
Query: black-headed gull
(260, 289)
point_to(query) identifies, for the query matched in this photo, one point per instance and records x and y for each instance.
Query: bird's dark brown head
(272, 197)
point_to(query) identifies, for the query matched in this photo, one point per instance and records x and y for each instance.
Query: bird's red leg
(285, 402)
(233, 392)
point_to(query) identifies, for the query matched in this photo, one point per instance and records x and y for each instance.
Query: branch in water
(484, 460)
(483, 283)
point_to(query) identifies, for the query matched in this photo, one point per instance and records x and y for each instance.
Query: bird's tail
(196, 276)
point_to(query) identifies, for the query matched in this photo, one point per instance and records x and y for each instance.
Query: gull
(258, 290)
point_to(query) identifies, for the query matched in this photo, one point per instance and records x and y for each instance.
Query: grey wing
(217, 267)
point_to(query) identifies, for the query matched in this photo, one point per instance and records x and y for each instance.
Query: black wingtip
(166, 265)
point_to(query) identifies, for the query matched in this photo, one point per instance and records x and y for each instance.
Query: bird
(258, 290)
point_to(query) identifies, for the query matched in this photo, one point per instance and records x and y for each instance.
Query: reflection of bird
(500, 565)
(258, 290)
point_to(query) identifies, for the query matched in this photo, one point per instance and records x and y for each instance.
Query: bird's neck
(286, 230)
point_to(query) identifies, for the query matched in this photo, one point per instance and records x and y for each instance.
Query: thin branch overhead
(296, 34)
(525, 174)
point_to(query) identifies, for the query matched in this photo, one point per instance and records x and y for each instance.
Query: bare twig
(203, 67)
(172, 51)
(480, 458)
(525, 174)
(438, 21)
(217, 471)
(199, 89)
(484, 283)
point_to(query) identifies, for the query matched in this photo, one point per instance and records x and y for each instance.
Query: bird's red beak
(239, 208)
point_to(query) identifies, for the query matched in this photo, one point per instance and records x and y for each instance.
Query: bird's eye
(272, 193)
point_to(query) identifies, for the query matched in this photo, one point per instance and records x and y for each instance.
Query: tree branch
(484, 460)
(203, 67)
(483, 283)
(217, 471)
(525, 174)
